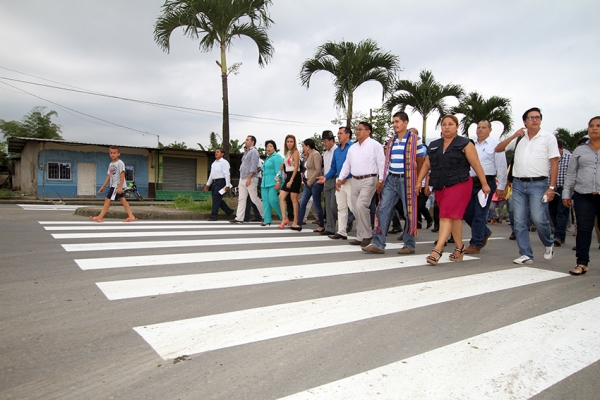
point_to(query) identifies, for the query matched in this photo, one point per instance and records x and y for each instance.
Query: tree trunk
(225, 133)
(349, 110)
(424, 136)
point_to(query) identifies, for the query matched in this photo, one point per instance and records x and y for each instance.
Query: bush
(187, 203)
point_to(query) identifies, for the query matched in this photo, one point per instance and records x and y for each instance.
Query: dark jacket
(451, 167)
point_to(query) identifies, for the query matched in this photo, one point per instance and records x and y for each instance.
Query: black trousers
(217, 199)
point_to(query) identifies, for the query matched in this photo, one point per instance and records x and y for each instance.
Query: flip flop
(96, 219)
(130, 220)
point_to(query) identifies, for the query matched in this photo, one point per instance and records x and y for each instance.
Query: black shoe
(401, 238)
(296, 228)
(366, 242)
(435, 229)
(394, 231)
(257, 220)
(235, 221)
(558, 242)
(326, 233)
(429, 224)
(212, 219)
(265, 224)
(419, 226)
(231, 216)
(338, 236)
(512, 236)
(246, 220)
(356, 242)
(349, 227)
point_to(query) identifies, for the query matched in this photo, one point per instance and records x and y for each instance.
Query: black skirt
(295, 186)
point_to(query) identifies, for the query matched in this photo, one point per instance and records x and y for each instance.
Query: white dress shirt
(492, 163)
(364, 159)
(327, 158)
(219, 170)
(532, 157)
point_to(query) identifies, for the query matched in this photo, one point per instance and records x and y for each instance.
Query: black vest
(451, 167)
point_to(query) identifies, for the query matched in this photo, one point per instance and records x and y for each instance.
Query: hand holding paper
(482, 198)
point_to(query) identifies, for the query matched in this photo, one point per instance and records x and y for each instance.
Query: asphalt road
(197, 310)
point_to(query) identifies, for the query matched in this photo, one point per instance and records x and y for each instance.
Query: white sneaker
(549, 253)
(524, 260)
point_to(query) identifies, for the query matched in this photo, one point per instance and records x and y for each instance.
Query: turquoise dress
(270, 196)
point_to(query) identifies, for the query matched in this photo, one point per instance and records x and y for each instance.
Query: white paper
(482, 198)
(222, 191)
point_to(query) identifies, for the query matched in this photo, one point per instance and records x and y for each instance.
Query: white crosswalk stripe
(518, 360)
(48, 207)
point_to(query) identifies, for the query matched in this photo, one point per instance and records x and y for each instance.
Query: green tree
(217, 23)
(36, 124)
(476, 108)
(570, 139)
(176, 145)
(424, 96)
(381, 120)
(341, 120)
(351, 65)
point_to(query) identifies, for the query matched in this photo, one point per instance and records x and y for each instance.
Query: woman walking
(582, 190)
(314, 169)
(270, 172)
(291, 186)
(450, 159)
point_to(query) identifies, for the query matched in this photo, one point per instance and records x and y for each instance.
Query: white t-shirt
(532, 157)
(114, 171)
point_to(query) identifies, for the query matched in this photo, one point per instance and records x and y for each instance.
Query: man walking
(248, 185)
(559, 214)
(329, 188)
(365, 161)
(404, 157)
(343, 192)
(536, 153)
(493, 164)
(220, 181)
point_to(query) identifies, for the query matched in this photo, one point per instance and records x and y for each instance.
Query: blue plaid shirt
(563, 165)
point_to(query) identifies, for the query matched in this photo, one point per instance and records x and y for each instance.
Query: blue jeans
(526, 200)
(559, 215)
(475, 216)
(587, 208)
(315, 191)
(393, 189)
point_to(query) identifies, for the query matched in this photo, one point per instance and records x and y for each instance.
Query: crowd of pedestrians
(373, 184)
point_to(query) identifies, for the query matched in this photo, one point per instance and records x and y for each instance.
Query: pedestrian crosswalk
(518, 360)
(48, 207)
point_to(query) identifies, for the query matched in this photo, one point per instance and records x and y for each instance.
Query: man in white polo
(536, 153)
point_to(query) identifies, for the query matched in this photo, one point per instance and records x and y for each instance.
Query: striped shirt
(397, 157)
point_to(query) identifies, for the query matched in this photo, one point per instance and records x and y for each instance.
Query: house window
(59, 171)
(129, 173)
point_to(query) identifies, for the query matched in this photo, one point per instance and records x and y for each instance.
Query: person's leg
(342, 204)
(436, 216)
(362, 193)
(253, 192)
(479, 228)
(266, 194)
(306, 195)
(409, 240)
(249, 205)
(585, 212)
(295, 207)
(283, 198)
(389, 197)
(317, 189)
(539, 212)
(242, 198)
(216, 200)
(331, 205)
(520, 209)
(125, 204)
(562, 219)
(105, 208)
(422, 199)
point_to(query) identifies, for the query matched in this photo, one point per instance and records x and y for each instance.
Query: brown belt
(364, 176)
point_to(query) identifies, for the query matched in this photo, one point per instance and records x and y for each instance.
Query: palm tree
(475, 109)
(351, 65)
(424, 96)
(570, 139)
(217, 22)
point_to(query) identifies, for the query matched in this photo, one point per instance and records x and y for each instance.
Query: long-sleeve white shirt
(219, 170)
(327, 158)
(364, 159)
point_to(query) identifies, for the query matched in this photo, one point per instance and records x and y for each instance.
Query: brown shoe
(366, 242)
(406, 250)
(485, 239)
(338, 236)
(373, 249)
(473, 250)
(355, 242)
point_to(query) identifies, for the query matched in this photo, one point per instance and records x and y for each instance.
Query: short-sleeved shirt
(114, 171)
(532, 157)
(397, 156)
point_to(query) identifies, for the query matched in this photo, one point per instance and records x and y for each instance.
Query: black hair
(310, 143)
(271, 142)
(253, 140)
(366, 125)
(531, 110)
(402, 115)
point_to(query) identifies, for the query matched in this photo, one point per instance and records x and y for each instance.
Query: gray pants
(330, 205)
(362, 193)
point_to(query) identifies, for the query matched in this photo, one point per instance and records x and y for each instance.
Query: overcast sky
(537, 53)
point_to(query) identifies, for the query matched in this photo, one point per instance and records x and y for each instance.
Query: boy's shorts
(111, 190)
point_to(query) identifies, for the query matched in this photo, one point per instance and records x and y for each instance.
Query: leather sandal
(579, 270)
(461, 254)
(431, 259)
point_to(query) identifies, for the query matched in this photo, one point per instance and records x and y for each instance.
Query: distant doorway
(86, 179)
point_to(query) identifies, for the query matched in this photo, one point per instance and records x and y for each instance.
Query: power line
(170, 106)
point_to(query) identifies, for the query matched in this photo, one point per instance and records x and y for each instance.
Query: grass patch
(187, 203)
(6, 193)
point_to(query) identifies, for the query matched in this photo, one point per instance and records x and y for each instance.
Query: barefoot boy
(116, 177)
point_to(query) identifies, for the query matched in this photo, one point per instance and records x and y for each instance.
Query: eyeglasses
(534, 118)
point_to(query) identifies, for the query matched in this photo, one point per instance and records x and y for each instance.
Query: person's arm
(473, 158)
(210, 178)
(570, 178)
(121, 182)
(424, 170)
(503, 144)
(501, 173)
(104, 184)
(553, 177)
(316, 163)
